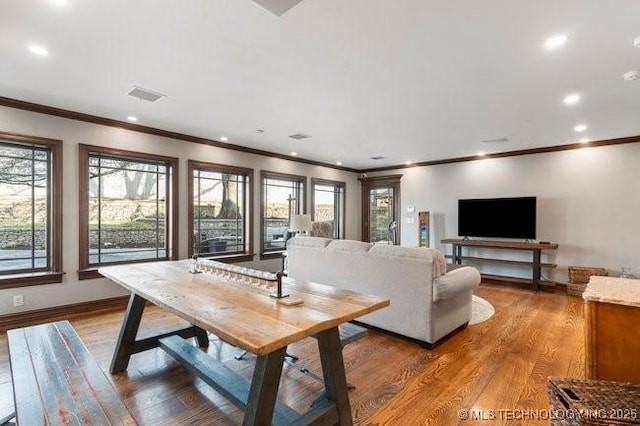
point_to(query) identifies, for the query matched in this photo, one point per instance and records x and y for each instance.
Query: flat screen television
(497, 217)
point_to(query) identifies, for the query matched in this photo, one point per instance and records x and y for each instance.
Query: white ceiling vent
(145, 94)
(377, 157)
(496, 140)
(299, 136)
(277, 7)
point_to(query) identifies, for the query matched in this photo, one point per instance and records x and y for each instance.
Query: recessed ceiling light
(36, 49)
(132, 118)
(571, 99)
(481, 154)
(580, 128)
(224, 138)
(294, 154)
(631, 75)
(408, 163)
(555, 41)
(585, 140)
(338, 163)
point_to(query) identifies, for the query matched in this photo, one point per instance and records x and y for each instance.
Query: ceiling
(408, 80)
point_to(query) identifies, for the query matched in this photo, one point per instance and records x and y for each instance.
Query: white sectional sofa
(427, 302)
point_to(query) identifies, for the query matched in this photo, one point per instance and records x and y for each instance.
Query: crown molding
(94, 119)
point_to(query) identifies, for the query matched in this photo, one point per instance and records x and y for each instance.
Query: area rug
(481, 310)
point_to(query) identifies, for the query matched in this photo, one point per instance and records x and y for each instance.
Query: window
(30, 211)
(282, 196)
(220, 208)
(327, 208)
(128, 209)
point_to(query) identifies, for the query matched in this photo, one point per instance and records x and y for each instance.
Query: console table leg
(457, 254)
(535, 284)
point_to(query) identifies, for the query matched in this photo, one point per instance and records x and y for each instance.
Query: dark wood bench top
(56, 381)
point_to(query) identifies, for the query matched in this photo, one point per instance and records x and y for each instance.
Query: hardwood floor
(501, 364)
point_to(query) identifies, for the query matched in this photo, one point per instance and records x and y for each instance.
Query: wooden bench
(56, 381)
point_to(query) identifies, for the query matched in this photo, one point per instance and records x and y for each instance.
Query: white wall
(72, 133)
(588, 203)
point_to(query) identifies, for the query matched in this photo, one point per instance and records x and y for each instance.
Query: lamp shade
(300, 223)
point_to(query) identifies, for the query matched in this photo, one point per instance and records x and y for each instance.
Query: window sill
(29, 279)
(272, 255)
(92, 271)
(89, 274)
(231, 258)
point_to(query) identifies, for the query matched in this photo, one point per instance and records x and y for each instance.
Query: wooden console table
(612, 315)
(536, 265)
(248, 318)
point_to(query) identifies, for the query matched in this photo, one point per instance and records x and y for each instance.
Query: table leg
(335, 379)
(128, 332)
(202, 337)
(264, 388)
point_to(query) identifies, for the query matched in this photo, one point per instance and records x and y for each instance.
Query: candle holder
(278, 294)
(194, 264)
(625, 272)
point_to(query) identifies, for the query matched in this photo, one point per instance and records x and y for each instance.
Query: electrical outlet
(18, 300)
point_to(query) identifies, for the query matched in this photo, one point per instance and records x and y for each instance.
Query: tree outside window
(220, 210)
(30, 210)
(127, 204)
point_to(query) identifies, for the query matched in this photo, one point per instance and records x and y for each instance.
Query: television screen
(497, 217)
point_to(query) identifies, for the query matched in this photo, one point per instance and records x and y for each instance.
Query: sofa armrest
(455, 282)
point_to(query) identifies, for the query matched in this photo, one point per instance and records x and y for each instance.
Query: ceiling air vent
(378, 157)
(496, 140)
(145, 94)
(299, 136)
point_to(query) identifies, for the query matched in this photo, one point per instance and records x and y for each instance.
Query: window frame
(53, 274)
(341, 231)
(88, 270)
(302, 189)
(192, 166)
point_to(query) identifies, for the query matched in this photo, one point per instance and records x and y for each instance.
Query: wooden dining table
(246, 316)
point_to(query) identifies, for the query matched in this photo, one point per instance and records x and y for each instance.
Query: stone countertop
(620, 291)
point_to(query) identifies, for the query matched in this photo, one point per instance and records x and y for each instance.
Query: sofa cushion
(349, 245)
(429, 254)
(309, 242)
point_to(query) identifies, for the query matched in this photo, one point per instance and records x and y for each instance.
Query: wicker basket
(579, 277)
(593, 402)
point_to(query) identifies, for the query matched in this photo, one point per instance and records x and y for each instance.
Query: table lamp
(300, 224)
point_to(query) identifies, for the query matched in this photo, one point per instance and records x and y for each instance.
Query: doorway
(381, 209)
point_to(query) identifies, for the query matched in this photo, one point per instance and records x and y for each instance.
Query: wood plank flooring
(498, 368)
